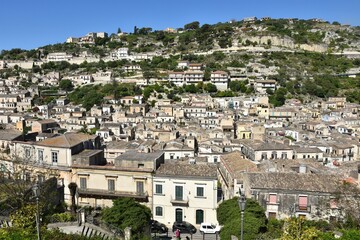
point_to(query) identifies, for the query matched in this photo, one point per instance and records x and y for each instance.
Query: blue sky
(30, 24)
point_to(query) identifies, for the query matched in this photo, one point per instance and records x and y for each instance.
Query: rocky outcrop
(285, 42)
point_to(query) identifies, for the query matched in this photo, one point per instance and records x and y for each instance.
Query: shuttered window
(272, 198)
(303, 202)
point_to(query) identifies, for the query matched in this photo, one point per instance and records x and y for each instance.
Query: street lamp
(242, 205)
(36, 191)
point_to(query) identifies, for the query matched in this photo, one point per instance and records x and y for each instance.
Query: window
(40, 178)
(54, 157)
(158, 211)
(303, 202)
(179, 193)
(140, 165)
(140, 187)
(199, 191)
(27, 153)
(333, 203)
(111, 185)
(83, 183)
(158, 189)
(272, 215)
(272, 198)
(40, 155)
(27, 177)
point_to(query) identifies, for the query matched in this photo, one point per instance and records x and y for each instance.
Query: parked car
(209, 228)
(158, 227)
(184, 227)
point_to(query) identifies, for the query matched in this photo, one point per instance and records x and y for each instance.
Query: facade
(193, 77)
(55, 154)
(308, 195)
(185, 192)
(176, 78)
(220, 79)
(58, 57)
(129, 176)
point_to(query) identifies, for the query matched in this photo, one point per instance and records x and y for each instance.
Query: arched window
(158, 211)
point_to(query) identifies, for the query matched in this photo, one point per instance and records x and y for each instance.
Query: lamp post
(242, 205)
(36, 190)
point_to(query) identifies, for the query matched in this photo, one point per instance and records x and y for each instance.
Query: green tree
(229, 216)
(237, 86)
(66, 85)
(295, 229)
(191, 88)
(126, 212)
(24, 217)
(192, 25)
(211, 88)
(279, 97)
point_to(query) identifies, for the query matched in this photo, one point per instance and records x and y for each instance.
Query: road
(196, 236)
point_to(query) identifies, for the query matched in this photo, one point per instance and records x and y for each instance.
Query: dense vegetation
(300, 74)
(126, 212)
(256, 226)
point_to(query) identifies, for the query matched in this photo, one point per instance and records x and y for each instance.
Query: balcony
(272, 203)
(106, 194)
(302, 208)
(176, 201)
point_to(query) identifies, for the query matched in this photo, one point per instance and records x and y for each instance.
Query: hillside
(305, 57)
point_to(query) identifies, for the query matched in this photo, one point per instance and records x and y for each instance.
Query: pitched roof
(236, 164)
(66, 141)
(294, 181)
(9, 134)
(187, 170)
(139, 156)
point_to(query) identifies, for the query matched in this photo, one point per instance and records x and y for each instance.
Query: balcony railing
(101, 193)
(302, 208)
(184, 201)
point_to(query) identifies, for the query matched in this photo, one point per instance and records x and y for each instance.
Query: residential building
(220, 79)
(130, 175)
(185, 192)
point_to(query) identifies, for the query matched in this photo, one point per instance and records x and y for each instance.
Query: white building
(220, 79)
(185, 192)
(121, 53)
(262, 85)
(176, 78)
(193, 77)
(58, 57)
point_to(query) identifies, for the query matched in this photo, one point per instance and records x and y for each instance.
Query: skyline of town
(185, 132)
(33, 24)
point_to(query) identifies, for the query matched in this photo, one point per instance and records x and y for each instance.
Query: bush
(62, 217)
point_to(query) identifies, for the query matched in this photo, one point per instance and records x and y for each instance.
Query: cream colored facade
(191, 203)
(104, 183)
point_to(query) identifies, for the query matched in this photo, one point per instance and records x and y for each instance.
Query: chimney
(302, 168)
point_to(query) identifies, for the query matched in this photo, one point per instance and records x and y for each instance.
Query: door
(199, 216)
(178, 215)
